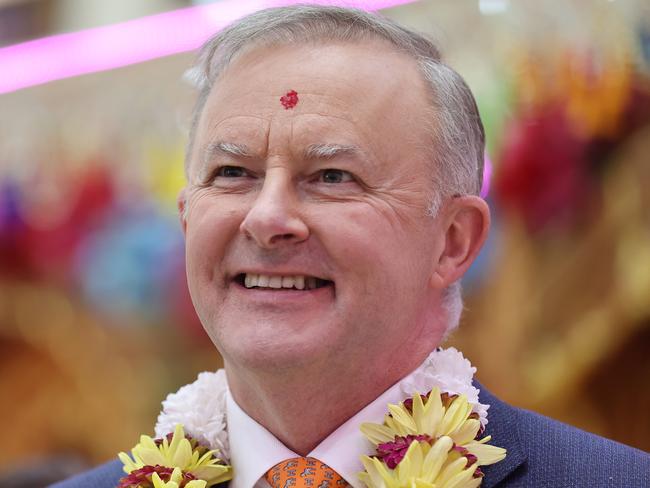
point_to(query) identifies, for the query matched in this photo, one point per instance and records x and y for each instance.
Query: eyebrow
(313, 151)
(228, 149)
(331, 151)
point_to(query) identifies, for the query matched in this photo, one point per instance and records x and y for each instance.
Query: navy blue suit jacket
(542, 453)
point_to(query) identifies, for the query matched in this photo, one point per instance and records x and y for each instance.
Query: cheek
(211, 225)
(365, 233)
(381, 255)
(362, 244)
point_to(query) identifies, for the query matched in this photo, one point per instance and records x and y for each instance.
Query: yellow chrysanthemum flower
(177, 453)
(175, 481)
(423, 466)
(430, 441)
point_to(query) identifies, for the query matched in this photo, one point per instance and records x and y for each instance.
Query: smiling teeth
(267, 281)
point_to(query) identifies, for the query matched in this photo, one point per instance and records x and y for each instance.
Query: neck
(301, 414)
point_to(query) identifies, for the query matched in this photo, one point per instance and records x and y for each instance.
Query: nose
(274, 219)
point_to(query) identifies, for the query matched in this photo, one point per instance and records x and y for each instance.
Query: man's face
(333, 191)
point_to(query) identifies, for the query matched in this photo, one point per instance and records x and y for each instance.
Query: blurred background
(96, 325)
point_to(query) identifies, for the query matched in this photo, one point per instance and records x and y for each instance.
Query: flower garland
(427, 440)
(175, 461)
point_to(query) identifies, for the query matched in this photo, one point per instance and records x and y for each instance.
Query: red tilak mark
(290, 100)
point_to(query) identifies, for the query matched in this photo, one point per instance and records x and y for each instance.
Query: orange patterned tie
(304, 472)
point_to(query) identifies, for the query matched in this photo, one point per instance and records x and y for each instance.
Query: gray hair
(458, 137)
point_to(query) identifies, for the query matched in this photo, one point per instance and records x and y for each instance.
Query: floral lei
(428, 440)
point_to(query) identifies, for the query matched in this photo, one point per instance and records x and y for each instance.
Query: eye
(231, 172)
(335, 176)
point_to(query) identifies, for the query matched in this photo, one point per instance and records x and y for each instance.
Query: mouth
(278, 282)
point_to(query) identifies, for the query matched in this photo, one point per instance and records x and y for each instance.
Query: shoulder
(548, 453)
(572, 456)
(104, 476)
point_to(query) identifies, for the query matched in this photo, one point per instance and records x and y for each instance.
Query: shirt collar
(342, 449)
(254, 450)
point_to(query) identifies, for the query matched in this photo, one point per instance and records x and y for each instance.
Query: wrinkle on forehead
(326, 67)
(335, 82)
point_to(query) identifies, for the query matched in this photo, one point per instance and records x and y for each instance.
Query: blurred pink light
(487, 176)
(104, 48)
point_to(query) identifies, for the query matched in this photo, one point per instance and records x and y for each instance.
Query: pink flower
(141, 478)
(393, 452)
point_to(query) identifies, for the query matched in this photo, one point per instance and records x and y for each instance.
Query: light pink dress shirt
(254, 450)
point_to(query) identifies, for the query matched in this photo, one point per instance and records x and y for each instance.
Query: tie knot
(303, 472)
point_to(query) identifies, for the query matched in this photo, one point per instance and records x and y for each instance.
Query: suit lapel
(504, 429)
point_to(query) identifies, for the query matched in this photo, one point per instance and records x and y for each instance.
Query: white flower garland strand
(201, 406)
(450, 371)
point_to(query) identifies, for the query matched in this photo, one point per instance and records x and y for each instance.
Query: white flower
(201, 408)
(452, 373)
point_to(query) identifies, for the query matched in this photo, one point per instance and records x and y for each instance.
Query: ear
(181, 203)
(465, 223)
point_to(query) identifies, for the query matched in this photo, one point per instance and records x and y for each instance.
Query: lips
(281, 282)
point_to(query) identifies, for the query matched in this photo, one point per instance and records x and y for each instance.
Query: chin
(271, 353)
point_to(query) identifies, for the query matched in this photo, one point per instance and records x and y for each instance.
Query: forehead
(358, 93)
